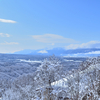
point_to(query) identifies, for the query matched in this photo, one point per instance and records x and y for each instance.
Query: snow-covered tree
(49, 71)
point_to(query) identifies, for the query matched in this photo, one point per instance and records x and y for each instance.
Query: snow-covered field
(21, 73)
(29, 61)
(12, 66)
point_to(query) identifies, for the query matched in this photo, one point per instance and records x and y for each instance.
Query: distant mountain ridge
(63, 52)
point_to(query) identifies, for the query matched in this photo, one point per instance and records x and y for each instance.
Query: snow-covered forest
(50, 80)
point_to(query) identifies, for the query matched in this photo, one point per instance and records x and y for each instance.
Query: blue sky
(44, 24)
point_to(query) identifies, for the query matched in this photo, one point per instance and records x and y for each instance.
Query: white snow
(43, 51)
(72, 60)
(70, 81)
(30, 61)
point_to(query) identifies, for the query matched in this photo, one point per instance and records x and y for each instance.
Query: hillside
(82, 83)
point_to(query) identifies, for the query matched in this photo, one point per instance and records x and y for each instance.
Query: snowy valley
(27, 77)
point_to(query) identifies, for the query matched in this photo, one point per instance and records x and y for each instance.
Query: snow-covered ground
(72, 60)
(30, 61)
(27, 86)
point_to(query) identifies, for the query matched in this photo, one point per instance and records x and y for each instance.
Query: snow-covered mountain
(56, 51)
(80, 84)
(62, 52)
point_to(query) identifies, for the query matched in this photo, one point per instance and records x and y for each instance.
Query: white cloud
(4, 35)
(52, 38)
(7, 21)
(83, 54)
(9, 49)
(43, 51)
(93, 52)
(9, 43)
(52, 44)
(91, 44)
